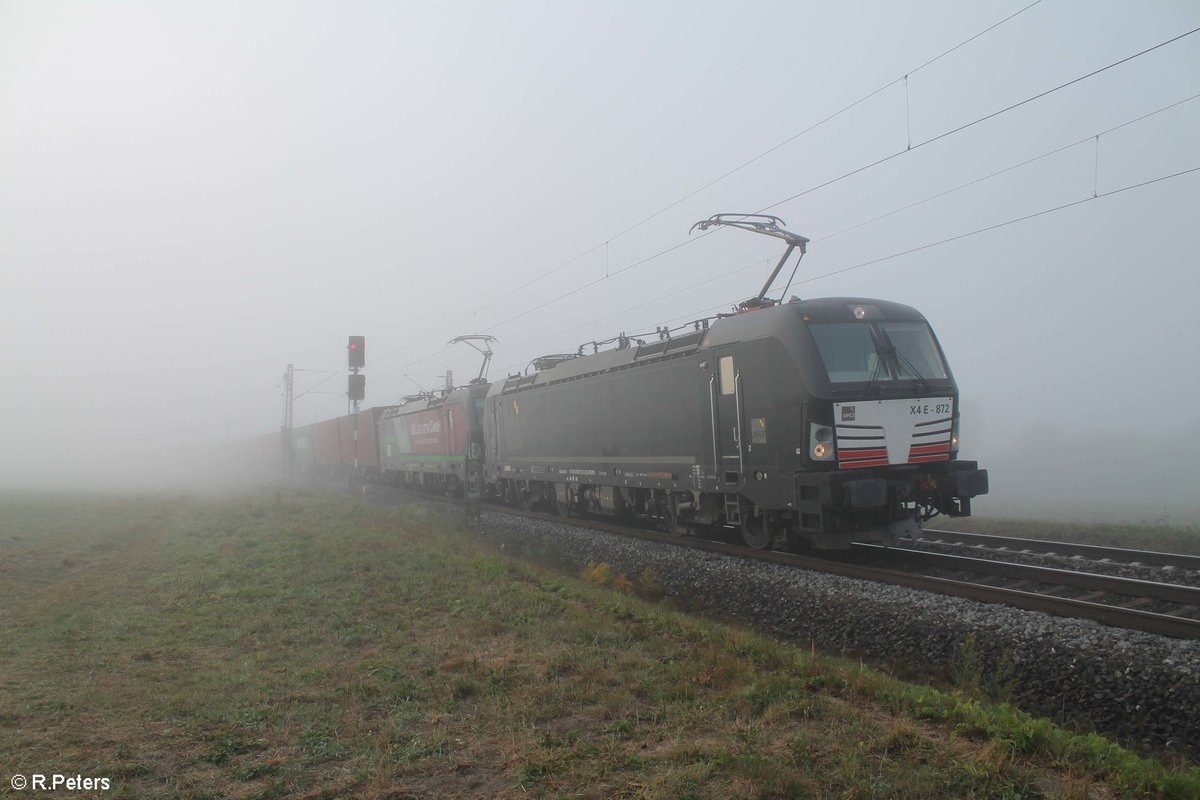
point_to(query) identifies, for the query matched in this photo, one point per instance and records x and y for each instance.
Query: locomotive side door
(725, 390)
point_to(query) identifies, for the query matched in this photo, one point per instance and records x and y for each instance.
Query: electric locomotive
(804, 424)
(425, 441)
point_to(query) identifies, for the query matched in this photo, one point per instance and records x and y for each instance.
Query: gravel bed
(1140, 688)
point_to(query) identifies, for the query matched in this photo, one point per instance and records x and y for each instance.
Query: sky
(194, 195)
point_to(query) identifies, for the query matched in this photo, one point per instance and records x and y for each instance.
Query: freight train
(810, 423)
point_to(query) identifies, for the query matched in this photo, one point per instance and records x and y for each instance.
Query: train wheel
(668, 518)
(526, 501)
(759, 531)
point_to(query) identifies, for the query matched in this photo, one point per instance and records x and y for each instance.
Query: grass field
(314, 646)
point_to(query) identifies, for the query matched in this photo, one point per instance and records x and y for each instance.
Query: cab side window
(726, 374)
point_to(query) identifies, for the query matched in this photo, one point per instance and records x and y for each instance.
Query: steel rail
(1112, 584)
(1148, 557)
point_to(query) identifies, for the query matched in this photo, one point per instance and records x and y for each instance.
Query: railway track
(1160, 608)
(1166, 608)
(1044, 547)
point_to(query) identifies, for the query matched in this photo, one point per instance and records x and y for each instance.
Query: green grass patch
(312, 645)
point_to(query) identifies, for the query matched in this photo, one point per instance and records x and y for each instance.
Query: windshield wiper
(904, 360)
(880, 355)
(900, 361)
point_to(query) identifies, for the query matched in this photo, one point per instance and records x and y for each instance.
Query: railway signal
(357, 349)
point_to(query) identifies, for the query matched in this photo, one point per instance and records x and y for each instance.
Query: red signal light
(357, 350)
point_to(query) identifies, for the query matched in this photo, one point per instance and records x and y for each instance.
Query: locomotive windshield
(878, 351)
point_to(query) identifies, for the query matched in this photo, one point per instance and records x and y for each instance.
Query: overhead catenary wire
(978, 121)
(987, 228)
(859, 170)
(318, 383)
(864, 223)
(929, 245)
(1095, 195)
(406, 365)
(968, 234)
(864, 168)
(607, 242)
(851, 173)
(821, 122)
(1010, 168)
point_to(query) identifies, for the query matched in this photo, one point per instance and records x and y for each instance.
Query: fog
(194, 195)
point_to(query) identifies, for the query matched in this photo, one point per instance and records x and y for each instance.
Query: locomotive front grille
(878, 433)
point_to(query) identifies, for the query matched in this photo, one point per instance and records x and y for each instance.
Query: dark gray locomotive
(809, 423)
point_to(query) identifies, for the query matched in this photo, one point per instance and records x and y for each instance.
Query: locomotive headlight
(954, 436)
(820, 442)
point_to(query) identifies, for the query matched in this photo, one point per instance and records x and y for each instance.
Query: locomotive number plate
(929, 409)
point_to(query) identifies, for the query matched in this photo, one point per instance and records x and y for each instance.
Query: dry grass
(310, 646)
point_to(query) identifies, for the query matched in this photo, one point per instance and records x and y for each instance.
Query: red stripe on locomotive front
(845, 453)
(942, 457)
(874, 462)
